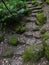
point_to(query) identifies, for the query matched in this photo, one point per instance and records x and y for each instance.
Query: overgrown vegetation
(17, 9)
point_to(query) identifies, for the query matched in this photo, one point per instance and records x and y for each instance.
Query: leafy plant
(16, 9)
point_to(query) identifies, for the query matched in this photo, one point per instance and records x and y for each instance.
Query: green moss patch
(47, 1)
(34, 2)
(47, 52)
(33, 53)
(41, 19)
(43, 31)
(13, 40)
(20, 28)
(45, 36)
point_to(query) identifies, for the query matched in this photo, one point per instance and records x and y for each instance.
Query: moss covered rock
(47, 1)
(41, 19)
(33, 53)
(45, 36)
(43, 31)
(47, 52)
(13, 40)
(20, 27)
(34, 2)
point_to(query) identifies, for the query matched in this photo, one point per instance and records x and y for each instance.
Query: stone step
(18, 51)
(28, 2)
(31, 26)
(31, 19)
(34, 8)
(29, 5)
(30, 41)
(38, 7)
(37, 35)
(33, 14)
(36, 11)
(28, 34)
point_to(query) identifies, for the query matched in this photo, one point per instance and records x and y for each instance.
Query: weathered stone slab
(28, 34)
(30, 41)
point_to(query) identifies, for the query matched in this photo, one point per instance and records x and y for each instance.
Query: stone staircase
(31, 36)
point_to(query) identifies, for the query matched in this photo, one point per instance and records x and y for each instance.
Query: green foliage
(41, 19)
(43, 31)
(34, 2)
(17, 8)
(20, 28)
(13, 40)
(47, 52)
(45, 36)
(33, 53)
(1, 37)
(47, 1)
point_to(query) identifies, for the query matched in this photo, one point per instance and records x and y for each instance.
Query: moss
(47, 1)
(28, 11)
(47, 52)
(1, 37)
(13, 40)
(20, 28)
(34, 2)
(32, 53)
(43, 31)
(45, 36)
(8, 54)
(41, 18)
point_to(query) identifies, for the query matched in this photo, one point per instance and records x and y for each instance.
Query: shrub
(1, 37)
(47, 1)
(45, 36)
(13, 40)
(41, 19)
(32, 53)
(43, 31)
